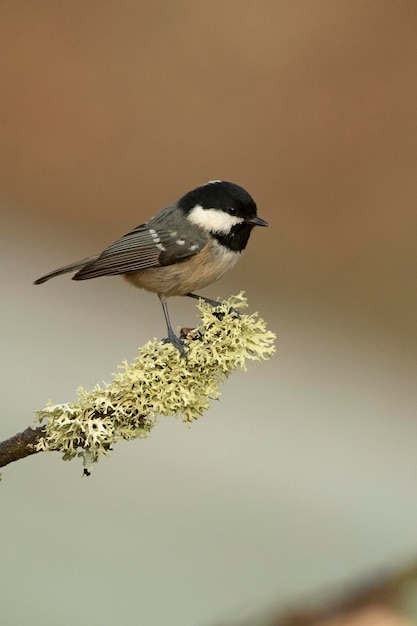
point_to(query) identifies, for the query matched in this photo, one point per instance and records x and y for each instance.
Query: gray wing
(156, 243)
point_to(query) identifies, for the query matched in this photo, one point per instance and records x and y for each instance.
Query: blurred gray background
(303, 476)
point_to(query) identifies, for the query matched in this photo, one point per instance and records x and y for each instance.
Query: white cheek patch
(213, 220)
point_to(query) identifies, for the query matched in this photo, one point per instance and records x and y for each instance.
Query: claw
(176, 342)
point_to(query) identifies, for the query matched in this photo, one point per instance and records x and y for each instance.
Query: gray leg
(211, 302)
(208, 300)
(172, 337)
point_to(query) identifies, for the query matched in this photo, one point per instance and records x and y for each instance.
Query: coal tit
(188, 245)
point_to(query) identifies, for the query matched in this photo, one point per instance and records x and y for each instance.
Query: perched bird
(188, 245)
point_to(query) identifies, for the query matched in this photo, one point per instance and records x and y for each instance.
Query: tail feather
(72, 267)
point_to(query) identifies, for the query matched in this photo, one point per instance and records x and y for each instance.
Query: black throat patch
(237, 239)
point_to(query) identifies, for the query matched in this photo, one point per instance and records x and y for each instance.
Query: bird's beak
(257, 221)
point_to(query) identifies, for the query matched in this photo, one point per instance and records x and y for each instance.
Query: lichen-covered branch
(159, 382)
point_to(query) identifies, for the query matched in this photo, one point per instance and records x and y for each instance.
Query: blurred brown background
(304, 474)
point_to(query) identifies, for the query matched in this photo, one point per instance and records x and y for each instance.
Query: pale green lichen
(158, 382)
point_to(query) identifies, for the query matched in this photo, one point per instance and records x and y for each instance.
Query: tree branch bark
(21, 445)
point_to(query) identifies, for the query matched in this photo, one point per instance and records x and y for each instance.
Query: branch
(21, 445)
(384, 599)
(159, 382)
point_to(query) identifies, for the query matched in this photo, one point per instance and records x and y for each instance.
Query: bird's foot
(176, 342)
(220, 315)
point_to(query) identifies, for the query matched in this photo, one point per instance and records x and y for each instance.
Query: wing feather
(144, 247)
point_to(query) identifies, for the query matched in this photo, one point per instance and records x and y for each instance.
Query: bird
(188, 245)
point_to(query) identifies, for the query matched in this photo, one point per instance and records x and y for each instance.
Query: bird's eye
(232, 211)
